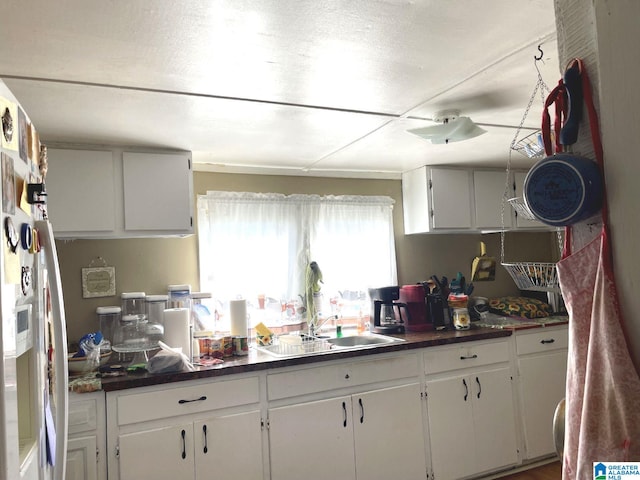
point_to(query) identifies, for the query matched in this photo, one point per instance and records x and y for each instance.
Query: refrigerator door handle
(45, 233)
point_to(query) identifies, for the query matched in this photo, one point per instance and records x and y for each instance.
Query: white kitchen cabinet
(371, 435)
(472, 423)
(157, 192)
(86, 442)
(489, 187)
(437, 199)
(454, 200)
(312, 440)
(357, 419)
(542, 366)
(189, 431)
(81, 193)
(115, 194)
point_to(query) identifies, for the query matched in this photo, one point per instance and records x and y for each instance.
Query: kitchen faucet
(312, 324)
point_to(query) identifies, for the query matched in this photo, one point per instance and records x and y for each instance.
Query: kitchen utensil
(483, 268)
(564, 189)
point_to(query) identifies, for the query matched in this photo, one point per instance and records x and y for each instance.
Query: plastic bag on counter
(89, 348)
(169, 360)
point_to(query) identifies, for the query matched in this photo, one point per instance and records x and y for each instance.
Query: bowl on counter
(80, 365)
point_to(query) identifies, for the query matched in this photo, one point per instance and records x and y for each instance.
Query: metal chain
(544, 90)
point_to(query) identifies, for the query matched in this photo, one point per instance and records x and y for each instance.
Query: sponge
(263, 334)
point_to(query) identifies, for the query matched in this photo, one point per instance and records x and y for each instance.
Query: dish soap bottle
(338, 328)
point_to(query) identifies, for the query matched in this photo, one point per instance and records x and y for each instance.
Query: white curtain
(253, 243)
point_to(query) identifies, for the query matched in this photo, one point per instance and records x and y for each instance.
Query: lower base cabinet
(470, 401)
(81, 459)
(219, 447)
(367, 436)
(86, 445)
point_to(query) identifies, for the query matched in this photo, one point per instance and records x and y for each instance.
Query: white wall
(605, 35)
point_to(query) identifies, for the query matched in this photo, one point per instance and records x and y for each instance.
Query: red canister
(415, 298)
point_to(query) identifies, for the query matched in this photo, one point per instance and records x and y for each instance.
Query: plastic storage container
(201, 317)
(108, 318)
(131, 335)
(179, 296)
(134, 303)
(155, 307)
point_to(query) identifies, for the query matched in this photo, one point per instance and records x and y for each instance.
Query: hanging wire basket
(530, 146)
(535, 276)
(519, 205)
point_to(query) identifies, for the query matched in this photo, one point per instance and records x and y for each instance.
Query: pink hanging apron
(602, 411)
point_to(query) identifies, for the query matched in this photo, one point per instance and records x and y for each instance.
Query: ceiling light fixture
(453, 128)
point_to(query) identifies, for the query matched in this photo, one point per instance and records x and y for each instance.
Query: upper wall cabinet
(455, 200)
(117, 194)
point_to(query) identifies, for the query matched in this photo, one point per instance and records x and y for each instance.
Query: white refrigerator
(33, 344)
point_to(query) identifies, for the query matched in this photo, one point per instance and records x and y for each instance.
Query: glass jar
(461, 319)
(130, 335)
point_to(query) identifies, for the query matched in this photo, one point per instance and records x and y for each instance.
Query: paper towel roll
(238, 310)
(176, 329)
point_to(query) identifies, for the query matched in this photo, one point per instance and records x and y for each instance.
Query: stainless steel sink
(358, 341)
(320, 345)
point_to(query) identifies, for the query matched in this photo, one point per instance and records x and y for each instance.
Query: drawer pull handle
(466, 389)
(184, 445)
(361, 410)
(344, 414)
(547, 341)
(469, 357)
(201, 399)
(479, 386)
(347, 376)
(204, 430)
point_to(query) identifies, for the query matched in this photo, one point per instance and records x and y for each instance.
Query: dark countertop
(257, 361)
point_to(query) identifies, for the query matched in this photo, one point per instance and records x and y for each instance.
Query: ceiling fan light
(456, 130)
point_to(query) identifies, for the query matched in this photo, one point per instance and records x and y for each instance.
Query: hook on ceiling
(538, 58)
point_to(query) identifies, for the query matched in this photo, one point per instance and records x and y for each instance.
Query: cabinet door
(488, 187)
(542, 386)
(451, 427)
(391, 417)
(81, 191)
(229, 447)
(157, 191)
(312, 441)
(81, 459)
(494, 419)
(164, 453)
(451, 198)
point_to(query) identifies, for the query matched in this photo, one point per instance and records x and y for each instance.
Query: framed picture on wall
(98, 282)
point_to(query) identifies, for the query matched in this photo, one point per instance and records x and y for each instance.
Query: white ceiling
(301, 87)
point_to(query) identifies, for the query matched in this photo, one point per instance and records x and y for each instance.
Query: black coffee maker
(384, 308)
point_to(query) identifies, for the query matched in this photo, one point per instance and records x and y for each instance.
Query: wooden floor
(551, 471)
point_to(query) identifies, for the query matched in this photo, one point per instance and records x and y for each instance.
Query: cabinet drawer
(542, 341)
(171, 402)
(83, 415)
(442, 359)
(319, 379)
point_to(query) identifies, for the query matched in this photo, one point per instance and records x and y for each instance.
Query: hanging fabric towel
(602, 423)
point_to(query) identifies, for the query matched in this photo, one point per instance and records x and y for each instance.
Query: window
(253, 244)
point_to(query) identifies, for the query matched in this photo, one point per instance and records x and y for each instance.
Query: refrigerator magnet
(26, 236)
(11, 234)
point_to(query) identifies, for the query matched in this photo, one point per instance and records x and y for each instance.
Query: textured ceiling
(307, 87)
